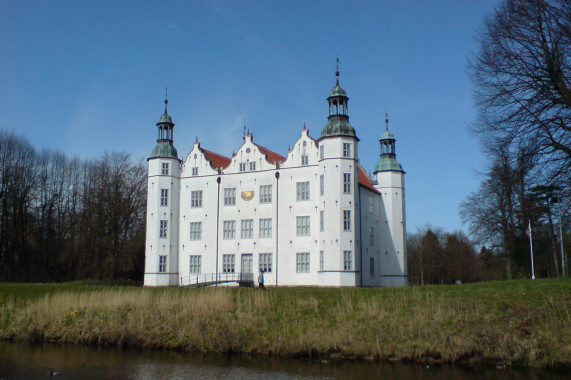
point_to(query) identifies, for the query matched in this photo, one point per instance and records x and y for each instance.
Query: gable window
(347, 260)
(195, 171)
(347, 220)
(164, 197)
(162, 264)
(195, 264)
(265, 228)
(265, 193)
(196, 198)
(247, 229)
(242, 166)
(302, 191)
(195, 230)
(252, 166)
(230, 196)
(347, 150)
(227, 263)
(163, 229)
(302, 262)
(347, 183)
(321, 152)
(321, 185)
(302, 225)
(165, 168)
(305, 160)
(266, 262)
(229, 228)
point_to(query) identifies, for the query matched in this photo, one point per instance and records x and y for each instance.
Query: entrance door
(247, 263)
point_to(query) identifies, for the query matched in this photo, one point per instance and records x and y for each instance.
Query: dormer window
(195, 171)
(305, 159)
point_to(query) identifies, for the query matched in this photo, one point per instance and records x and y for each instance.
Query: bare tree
(522, 75)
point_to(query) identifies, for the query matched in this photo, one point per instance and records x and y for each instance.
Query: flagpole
(531, 250)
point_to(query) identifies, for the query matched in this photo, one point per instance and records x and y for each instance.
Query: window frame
(303, 225)
(163, 229)
(196, 199)
(265, 262)
(195, 261)
(196, 232)
(164, 197)
(302, 262)
(229, 196)
(303, 191)
(228, 230)
(347, 260)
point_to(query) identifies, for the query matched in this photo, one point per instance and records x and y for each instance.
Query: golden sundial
(248, 195)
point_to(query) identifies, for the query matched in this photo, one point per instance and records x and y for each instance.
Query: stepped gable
(216, 160)
(364, 180)
(271, 157)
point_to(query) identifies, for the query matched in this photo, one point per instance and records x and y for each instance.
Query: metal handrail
(215, 278)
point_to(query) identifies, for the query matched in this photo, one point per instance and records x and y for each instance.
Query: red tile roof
(216, 160)
(364, 180)
(271, 157)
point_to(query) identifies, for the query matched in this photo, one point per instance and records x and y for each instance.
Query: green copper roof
(388, 164)
(338, 125)
(165, 118)
(337, 91)
(164, 149)
(387, 135)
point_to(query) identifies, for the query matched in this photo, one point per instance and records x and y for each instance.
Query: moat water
(22, 360)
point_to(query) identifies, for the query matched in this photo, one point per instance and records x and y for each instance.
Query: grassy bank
(515, 322)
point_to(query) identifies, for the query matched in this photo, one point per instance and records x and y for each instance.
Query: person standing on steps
(261, 280)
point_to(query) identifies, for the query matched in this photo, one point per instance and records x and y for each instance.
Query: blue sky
(86, 77)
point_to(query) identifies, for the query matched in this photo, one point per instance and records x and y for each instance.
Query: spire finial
(166, 98)
(386, 121)
(337, 70)
(244, 134)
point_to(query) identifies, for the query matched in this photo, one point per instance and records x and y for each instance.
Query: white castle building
(312, 218)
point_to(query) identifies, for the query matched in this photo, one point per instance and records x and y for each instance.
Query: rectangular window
(242, 166)
(163, 229)
(195, 171)
(320, 260)
(321, 221)
(195, 230)
(371, 205)
(302, 262)
(195, 264)
(252, 166)
(347, 150)
(302, 191)
(265, 193)
(196, 199)
(372, 266)
(347, 183)
(162, 264)
(227, 263)
(302, 223)
(165, 168)
(321, 152)
(266, 262)
(230, 196)
(305, 160)
(347, 220)
(265, 228)
(164, 197)
(229, 229)
(322, 185)
(247, 229)
(347, 260)
(371, 236)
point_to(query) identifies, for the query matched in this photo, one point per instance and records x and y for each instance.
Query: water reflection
(22, 360)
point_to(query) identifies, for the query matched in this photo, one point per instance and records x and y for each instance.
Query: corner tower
(338, 195)
(390, 183)
(163, 187)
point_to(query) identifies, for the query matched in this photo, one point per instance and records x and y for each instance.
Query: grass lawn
(520, 322)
